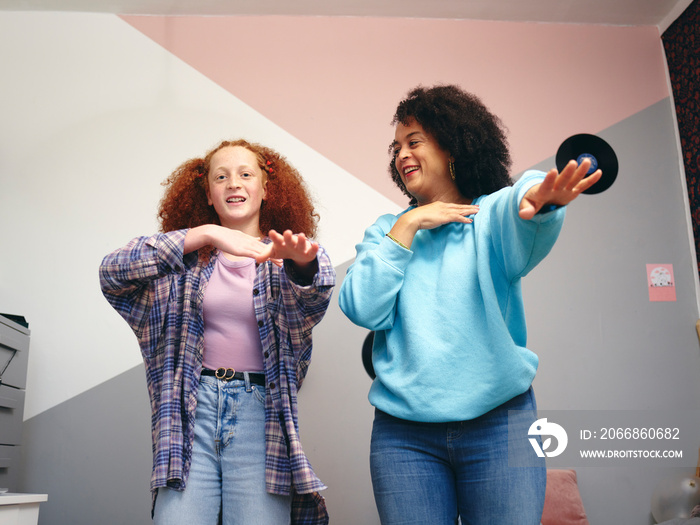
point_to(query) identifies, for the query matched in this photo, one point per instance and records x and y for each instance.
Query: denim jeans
(227, 476)
(433, 473)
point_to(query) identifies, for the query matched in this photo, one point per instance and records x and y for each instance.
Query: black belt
(227, 374)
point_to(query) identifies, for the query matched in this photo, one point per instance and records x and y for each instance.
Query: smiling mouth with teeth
(235, 199)
(410, 169)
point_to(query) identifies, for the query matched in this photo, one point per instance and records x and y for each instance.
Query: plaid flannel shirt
(159, 292)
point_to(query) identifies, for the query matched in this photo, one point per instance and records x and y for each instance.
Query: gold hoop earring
(452, 170)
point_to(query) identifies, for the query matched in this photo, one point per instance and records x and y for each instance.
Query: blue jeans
(227, 476)
(433, 473)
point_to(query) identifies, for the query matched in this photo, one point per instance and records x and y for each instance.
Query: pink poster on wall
(662, 286)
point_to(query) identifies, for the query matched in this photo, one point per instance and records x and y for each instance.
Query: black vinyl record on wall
(583, 145)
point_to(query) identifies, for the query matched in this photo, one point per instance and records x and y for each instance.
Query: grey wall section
(92, 455)
(602, 345)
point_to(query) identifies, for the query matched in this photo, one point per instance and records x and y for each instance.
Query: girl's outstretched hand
(227, 240)
(294, 247)
(558, 188)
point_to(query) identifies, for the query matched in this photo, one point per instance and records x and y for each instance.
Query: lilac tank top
(231, 337)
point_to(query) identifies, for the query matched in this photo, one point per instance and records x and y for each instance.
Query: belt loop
(246, 377)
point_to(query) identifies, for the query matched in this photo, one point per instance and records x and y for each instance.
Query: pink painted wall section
(334, 82)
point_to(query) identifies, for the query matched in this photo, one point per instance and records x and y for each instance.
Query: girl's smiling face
(236, 188)
(422, 164)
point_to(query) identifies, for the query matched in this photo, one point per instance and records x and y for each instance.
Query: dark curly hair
(466, 129)
(288, 205)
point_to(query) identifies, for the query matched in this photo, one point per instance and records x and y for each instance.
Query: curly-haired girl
(223, 306)
(439, 285)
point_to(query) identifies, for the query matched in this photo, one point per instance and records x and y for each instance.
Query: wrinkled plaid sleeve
(126, 276)
(155, 289)
(310, 303)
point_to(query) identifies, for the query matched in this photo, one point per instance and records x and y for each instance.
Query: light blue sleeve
(372, 283)
(518, 244)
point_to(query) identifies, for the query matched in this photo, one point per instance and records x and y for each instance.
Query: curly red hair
(288, 205)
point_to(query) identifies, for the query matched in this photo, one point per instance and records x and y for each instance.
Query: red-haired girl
(223, 306)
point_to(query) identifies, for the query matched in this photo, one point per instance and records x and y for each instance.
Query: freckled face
(422, 164)
(237, 188)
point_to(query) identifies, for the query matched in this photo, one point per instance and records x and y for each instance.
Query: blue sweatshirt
(448, 313)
